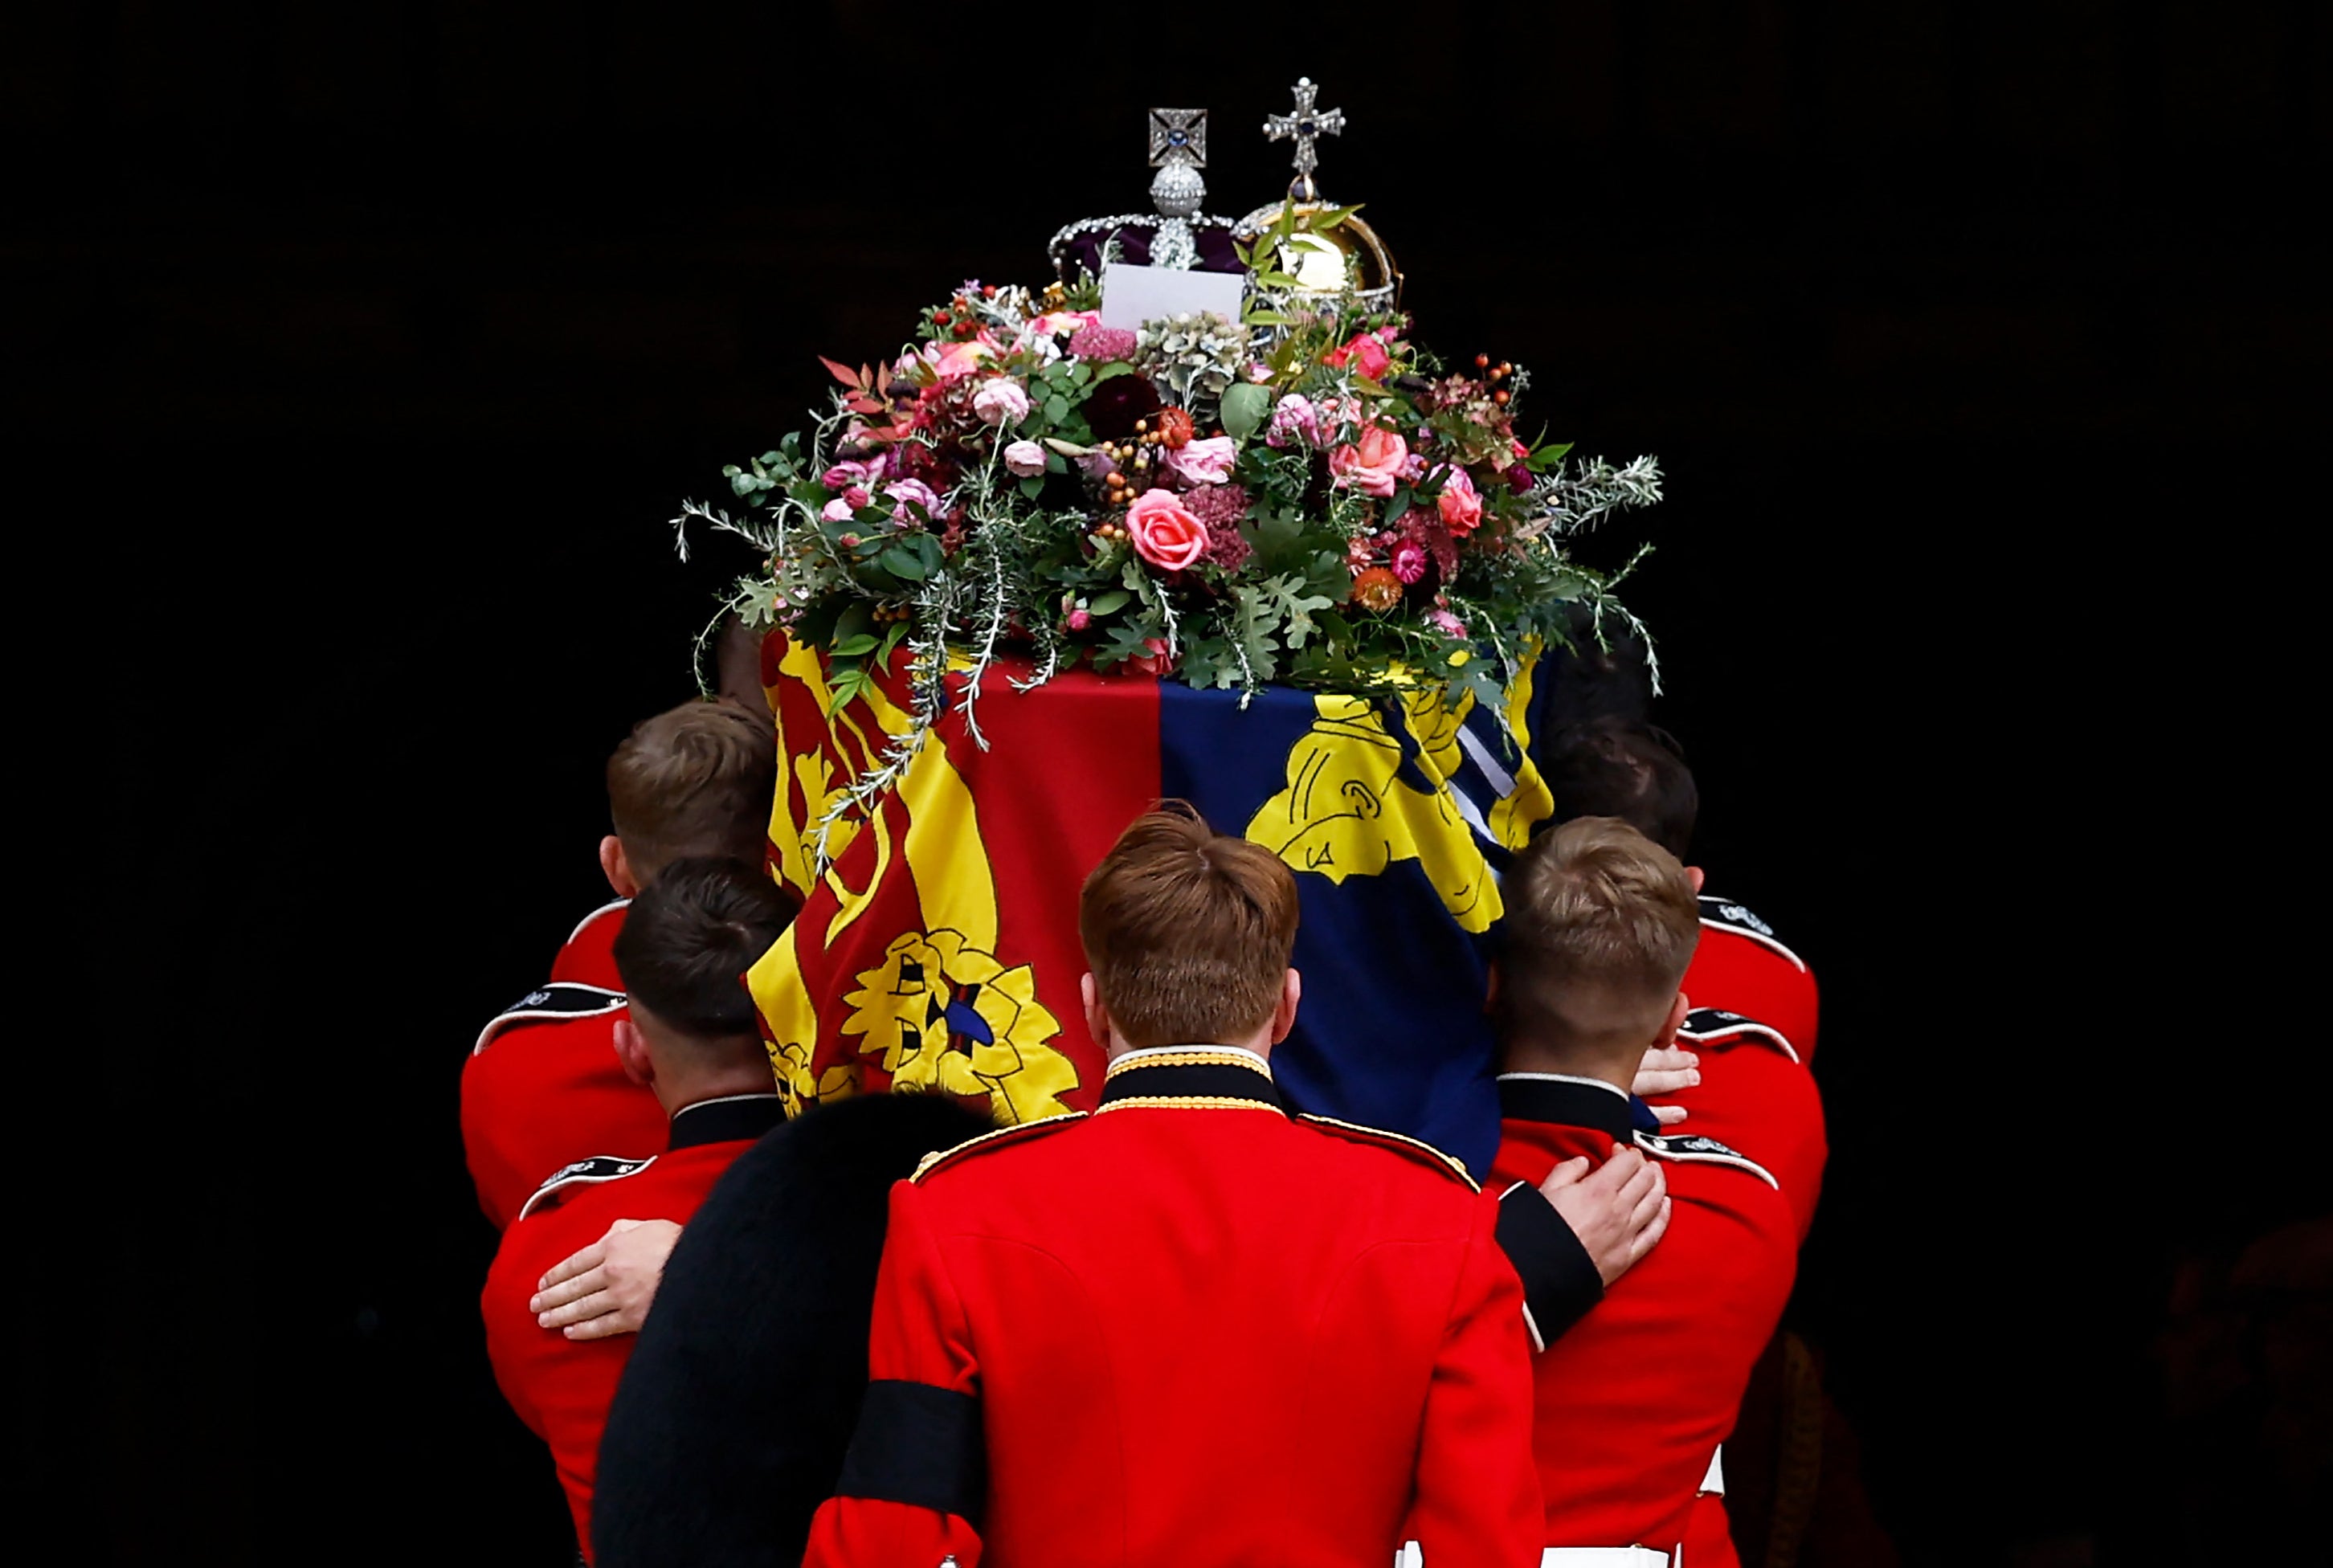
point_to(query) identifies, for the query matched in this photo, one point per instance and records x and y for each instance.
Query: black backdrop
(358, 354)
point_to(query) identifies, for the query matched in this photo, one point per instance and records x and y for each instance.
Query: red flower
(1364, 349)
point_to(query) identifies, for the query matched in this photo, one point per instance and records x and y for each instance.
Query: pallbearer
(688, 1041)
(1635, 1400)
(542, 1087)
(1189, 1328)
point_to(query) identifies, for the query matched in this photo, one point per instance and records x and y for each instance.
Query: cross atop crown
(1306, 126)
(1178, 136)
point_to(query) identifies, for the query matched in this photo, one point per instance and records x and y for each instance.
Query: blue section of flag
(1391, 1032)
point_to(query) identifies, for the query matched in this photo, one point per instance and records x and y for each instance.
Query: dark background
(357, 353)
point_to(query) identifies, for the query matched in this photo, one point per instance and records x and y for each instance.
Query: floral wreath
(1305, 495)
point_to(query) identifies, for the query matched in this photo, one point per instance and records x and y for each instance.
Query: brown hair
(698, 779)
(1593, 907)
(1614, 766)
(689, 938)
(1188, 930)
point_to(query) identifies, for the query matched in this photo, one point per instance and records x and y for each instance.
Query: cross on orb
(1178, 136)
(1306, 126)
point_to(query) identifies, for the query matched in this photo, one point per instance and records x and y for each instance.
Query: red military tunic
(1741, 965)
(588, 957)
(1634, 1399)
(1190, 1329)
(1756, 1095)
(543, 1089)
(562, 1387)
(1753, 1025)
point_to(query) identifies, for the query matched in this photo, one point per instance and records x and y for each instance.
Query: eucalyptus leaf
(1244, 408)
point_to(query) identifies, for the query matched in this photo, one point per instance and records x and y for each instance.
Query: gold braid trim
(940, 1157)
(1186, 1102)
(1400, 1141)
(1196, 1056)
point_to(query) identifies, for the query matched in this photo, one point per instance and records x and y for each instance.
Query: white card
(1132, 295)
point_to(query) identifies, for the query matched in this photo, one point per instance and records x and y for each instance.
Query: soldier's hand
(1617, 1212)
(607, 1288)
(1666, 1070)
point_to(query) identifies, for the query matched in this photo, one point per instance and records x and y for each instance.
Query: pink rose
(1081, 618)
(1000, 401)
(1060, 323)
(1157, 660)
(957, 360)
(1025, 459)
(901, 491)
(837, 510)
(1294, 416)
(1207, 462)
(1364, 351)
(1461, 504)
(1165, 532)
(850, 471)
(1374, 466)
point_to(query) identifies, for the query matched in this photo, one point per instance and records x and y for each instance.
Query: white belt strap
(1713, 1483)
(1411, 1555)
(1602, 1558)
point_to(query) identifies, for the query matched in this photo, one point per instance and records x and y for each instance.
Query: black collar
(1197, 1075)
(1566, 1102)
(731, 1119)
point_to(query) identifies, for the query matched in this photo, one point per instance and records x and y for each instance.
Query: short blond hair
(1595, 907)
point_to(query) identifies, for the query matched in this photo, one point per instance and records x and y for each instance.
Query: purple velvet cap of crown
(1084, 250)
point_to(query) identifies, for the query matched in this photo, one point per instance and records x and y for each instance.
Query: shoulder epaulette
(588, 1172)
(556, 1000)
(1417, 1149)
(1694, 1148)
(1728, 915)
(1716, 1026)
(997, 1140)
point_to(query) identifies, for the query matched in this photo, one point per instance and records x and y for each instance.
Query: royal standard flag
(937, 950)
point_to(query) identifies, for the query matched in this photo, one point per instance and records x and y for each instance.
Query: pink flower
(1372, 467)
(1447, 622)
(850, 471)
(1207, 462)
(957, 360)
(1079, 619)
(1058, 323)
(1025, 459)
(1165, 532)
(1293, 415)
(1460, 503)
(1365, 352)
(1409, 561)
(1157, 660)
(837, 510)
(1107, 344)
(1000, 401)
(901, 491)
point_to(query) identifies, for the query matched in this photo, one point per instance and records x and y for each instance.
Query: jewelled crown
(1180, 236)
